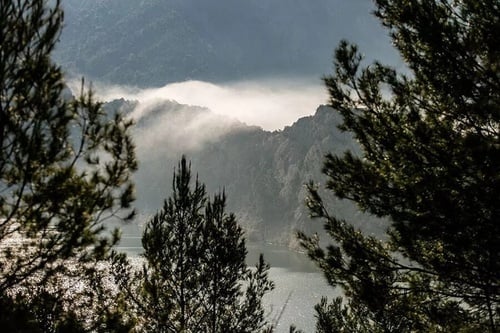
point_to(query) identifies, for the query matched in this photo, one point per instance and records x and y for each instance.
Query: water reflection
(280, 257)
(276, 256)
(299, 283)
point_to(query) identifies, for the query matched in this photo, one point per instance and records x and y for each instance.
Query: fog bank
(271, 104)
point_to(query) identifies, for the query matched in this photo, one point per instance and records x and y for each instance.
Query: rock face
(154, 42)
(263, 173)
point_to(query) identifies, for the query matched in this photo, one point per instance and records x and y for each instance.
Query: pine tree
(429, 165)
(65, 168)
(194, 278)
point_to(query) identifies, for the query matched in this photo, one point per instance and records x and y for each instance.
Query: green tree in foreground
(430, 164)
(65, 168)
(195, 278)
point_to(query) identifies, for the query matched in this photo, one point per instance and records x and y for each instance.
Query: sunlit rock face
(262, 172)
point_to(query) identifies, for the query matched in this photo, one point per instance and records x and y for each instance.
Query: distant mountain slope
(153, 42)
(263, 173)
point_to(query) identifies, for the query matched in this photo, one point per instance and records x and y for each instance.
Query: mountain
(154, 42)
(263, 173)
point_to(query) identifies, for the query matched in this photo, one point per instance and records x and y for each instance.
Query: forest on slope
(154, 42)
(263, 173)
(150, 42)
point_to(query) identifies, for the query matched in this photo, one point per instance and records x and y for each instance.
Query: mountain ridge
(152, 42)
(263, 173)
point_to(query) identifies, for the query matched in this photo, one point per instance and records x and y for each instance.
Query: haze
(270, 103)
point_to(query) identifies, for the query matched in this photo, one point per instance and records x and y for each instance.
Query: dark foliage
(430, 164)
(65, 168)
(194, 278)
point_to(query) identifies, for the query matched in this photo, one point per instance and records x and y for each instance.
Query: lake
(299, 284)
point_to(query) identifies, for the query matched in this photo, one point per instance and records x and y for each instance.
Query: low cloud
(271, 104)
(178, 129)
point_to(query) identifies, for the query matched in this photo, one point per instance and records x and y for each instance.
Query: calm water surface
(299, 284)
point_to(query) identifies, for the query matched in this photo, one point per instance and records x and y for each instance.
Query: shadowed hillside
(262, 172)
(152, 42)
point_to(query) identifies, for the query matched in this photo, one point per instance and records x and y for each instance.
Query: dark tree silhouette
(429, 164)
(194, 278)
(65, 168)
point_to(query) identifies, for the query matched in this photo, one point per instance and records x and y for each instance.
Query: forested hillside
(153, 42)
(263, 173)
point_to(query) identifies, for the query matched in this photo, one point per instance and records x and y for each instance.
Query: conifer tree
(429, 165)
(194, 278)
(65, 168)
